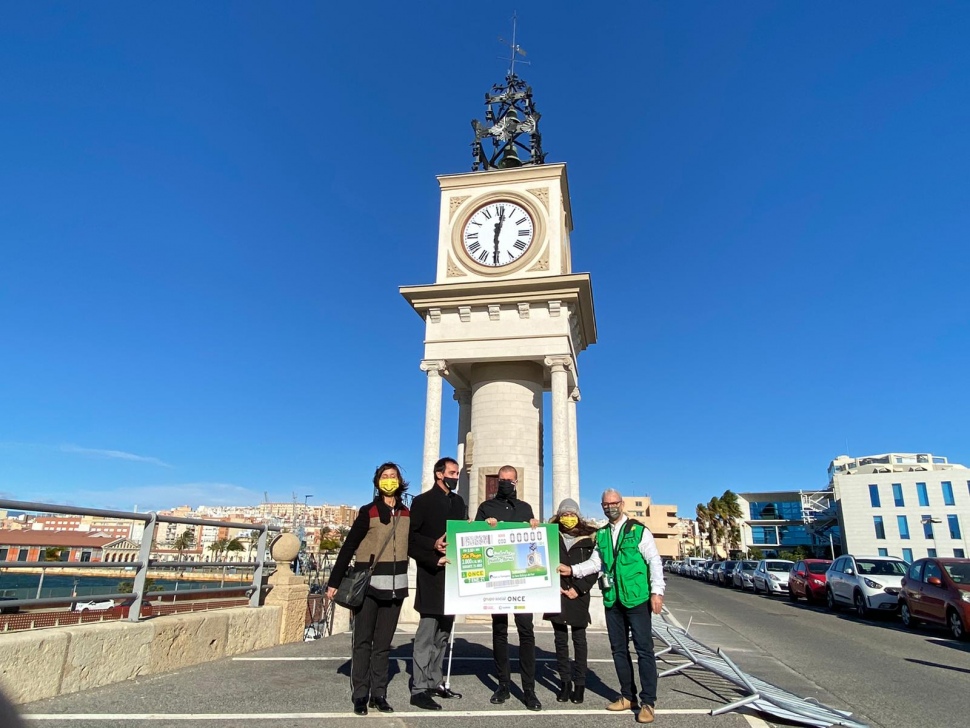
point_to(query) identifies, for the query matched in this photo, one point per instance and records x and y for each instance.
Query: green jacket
(631, 576)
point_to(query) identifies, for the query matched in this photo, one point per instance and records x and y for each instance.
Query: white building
(908, 505)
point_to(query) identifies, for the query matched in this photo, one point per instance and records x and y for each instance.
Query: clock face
(498, 233)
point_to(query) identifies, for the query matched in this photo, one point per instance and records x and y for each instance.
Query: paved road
(876, 668)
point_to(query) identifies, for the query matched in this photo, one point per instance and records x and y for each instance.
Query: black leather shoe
(445, 693)
(500, 695)
(531, 701)
(579, 692)
(381, 704)
(425, 702)
(360, 706)
(563, 695)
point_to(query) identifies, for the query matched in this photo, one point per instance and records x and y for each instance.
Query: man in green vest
(632, 583)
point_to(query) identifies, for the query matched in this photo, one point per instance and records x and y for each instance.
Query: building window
(959, 553)
(764, 535)
(884, 552)
(931, 553)
(23, 554)
(898, 495)
(948, 493)
(903, 527)
(880, 529)
(953, 522)
(927, 526)
(908, 556)
(924, 498)
(874, 495)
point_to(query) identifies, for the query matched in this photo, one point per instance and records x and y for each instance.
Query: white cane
(451, 654)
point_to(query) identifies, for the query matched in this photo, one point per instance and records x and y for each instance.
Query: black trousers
(576, 675)
(527, 649)
(374, 625)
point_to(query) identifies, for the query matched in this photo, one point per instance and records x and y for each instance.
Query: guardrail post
(141, 576)
(258, 569)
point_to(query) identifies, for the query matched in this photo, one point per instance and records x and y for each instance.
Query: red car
(937, 590)
(807, 579)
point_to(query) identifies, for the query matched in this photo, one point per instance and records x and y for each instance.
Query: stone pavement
(308, 683)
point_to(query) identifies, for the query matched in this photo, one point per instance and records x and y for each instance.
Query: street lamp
(929, 521)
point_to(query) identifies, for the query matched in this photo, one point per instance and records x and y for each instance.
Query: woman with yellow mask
(575, 546)
(378, 539)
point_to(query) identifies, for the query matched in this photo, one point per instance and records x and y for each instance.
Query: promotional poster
(501, 569)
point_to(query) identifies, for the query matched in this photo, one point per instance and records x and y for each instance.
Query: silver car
(771, 576)
(743, 576)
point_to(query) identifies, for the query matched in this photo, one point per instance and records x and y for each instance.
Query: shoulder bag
(353, 587)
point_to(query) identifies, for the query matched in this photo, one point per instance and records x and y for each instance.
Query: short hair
(614, 491)
(402, 483)
(439, 467)
(507, 468)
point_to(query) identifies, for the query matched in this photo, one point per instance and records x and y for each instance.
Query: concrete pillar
(464, 399)
(506, 422)
(573, 446)
(432, 420)
(558, 366)
(289, 591)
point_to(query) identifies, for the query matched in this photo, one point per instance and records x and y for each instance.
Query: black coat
(504, 510)
(575, 612)
(430, 513)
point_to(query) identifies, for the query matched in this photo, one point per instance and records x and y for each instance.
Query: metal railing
(144, 561)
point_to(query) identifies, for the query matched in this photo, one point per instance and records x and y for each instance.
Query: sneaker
(500, 695)
(531, 701)
(621, 703)
(646, 714)
(424, 701)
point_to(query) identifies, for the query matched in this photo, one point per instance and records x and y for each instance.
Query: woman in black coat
(575, 546)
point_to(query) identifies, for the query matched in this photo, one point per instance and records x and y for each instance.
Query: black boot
(579, 692)
(564, 692)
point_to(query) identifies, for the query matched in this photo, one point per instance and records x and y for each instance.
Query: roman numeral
(525, 233)
(519, 222)
(486, 214)
(483, 256)
(521, 245)
(500, 209)
(511, 254)
(473, 248)
(476, 223)
(472, 236)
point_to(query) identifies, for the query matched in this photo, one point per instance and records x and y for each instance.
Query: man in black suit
(430, 513)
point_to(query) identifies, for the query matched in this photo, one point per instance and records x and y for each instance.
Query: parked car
(709, 571)
(865, 583)
(8, 595)
(771, 576)
(725, 572)
(937, 590)
(807, 580)
(93, 605)
(743, 576)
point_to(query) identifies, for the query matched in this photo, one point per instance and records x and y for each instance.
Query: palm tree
(51, 554)
(217, 547)
(253, 541)
(731, 513)
(703, 521)
(184, 541)
(232, 544)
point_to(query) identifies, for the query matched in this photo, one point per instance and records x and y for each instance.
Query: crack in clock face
(498, 233)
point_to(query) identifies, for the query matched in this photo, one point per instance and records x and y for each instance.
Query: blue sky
(206, 210)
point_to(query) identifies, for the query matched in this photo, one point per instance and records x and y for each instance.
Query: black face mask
(506, 490)
(450, 483)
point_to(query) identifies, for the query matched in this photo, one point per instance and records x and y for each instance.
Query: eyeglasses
(614, 503)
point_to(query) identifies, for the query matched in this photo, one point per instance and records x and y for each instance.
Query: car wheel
(909, 621)
(859, 601)
(792, 596)
(754, 586)
(955, 624)
(830, 601)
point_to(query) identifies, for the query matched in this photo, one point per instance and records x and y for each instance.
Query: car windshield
(777, 565)
(728, 565)
(749, 565)
(881, 568)
(817, 568)
(960, 573)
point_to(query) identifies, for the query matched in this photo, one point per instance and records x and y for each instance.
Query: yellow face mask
(568, 522)
(388, 486)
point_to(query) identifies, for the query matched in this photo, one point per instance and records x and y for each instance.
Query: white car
(771, 576)
(93, 605)
(865, 583)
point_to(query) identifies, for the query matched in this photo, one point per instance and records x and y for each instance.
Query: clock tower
(506, 318)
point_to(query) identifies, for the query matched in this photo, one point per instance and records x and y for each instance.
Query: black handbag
(353, 587)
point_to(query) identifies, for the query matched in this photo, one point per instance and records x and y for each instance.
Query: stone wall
(46, 663)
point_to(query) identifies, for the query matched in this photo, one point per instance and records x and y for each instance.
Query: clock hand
(498, 229)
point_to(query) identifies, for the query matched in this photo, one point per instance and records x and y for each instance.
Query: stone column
(464, 399)
(432, 420)
(558, 366)
(289, 591)
(573, 446)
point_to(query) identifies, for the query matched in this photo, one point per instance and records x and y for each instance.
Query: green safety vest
(631, 576)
